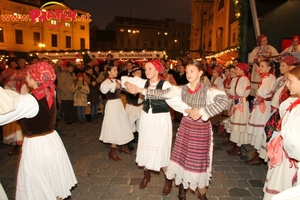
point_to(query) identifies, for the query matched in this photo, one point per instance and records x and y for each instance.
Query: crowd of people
(250, 103)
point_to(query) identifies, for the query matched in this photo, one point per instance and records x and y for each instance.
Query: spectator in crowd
(65, 82)
(80, 88)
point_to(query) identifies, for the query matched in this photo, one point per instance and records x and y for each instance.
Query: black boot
(130, 146)
(136, 137)
(181, 193)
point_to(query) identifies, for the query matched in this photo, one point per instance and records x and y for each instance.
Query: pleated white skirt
(45, 171)
(115, 127)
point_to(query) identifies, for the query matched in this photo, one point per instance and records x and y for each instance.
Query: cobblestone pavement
(101, 178)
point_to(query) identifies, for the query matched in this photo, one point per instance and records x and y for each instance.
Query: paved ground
(101, 178)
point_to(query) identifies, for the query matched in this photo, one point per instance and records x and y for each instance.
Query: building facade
(135, 34)
(214, 27)
(29, 26)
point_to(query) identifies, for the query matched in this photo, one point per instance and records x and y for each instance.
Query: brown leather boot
(167, 188)
(255, 160)
(13, 150)
(123, 149)
(112, 154)
(181, 193)
(228, 143)
(146, 179)
(235, 151)
(202, 197)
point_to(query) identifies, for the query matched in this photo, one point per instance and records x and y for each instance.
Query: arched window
(221, 5)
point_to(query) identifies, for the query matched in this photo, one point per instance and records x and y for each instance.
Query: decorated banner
(127, 55)
(61, 56)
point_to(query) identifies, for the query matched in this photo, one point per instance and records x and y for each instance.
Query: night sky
(103, 11)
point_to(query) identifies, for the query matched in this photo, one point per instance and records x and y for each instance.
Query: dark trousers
(94, 111)
(69, 110)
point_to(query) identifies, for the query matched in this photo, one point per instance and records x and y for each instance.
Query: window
(159, 43)
(121, 30)
(137, 42)
(166, 44)
(19, 36)
(67, 24)
(145, 43)
(53, 40)
(36, 38)
(53, 22)
(82, 43)
(82, 27)
(166, 33)
(1, 35)
(129, 42)
(122, 42)
(152, 43)
(158, 33)
(68, 41)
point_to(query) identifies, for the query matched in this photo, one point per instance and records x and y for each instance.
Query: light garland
(226, 51)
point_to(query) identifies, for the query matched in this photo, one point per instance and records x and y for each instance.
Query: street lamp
(42, 46)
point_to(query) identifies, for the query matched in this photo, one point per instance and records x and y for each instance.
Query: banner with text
(127, 55)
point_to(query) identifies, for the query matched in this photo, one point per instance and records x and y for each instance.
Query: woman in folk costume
(225, 115)
(295, 47)
(191, 158)
(261, 112)
(260, 53)
(115, 127)
(239, 114)
(281, 94)
(45, 171)
(284, 148)
(155, 128)
(217, 82)
(12, 132)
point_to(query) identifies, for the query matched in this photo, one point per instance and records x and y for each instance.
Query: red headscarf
(289, 60)
(245, 68)
(296, 37)
(258, 39)
(219, 70)
(157, 64)
(44, 74)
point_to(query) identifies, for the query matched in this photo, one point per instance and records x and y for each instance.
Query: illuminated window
(166, 33)
(67, 24)
(158, 33)
(121, 30)
(53, 22)
(137, 31)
